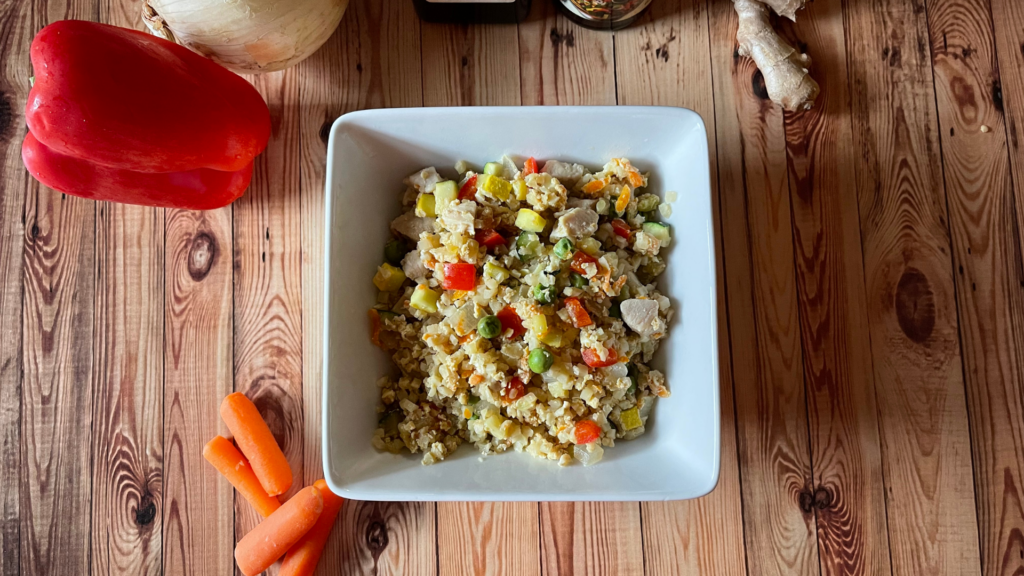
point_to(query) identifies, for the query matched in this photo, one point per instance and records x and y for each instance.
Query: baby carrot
(257, 443)
(268, 541)
(302, 559)
(232, 465)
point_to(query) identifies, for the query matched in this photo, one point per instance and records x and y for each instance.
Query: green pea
(394, 251)
(615, 311)
(544, 294)
(624, 293)
(634, 374)
(489, 326)
(473, 399)
(540, 360)
(563, 249)
(578, 280)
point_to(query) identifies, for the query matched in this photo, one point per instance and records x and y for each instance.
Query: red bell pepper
(586, 431)
(459, 276)
(468, 190)
(620, 228)
(489, 238)
(511, 321)
(120, 115)
(592, 359)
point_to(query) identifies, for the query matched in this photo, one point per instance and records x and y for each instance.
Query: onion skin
(246, 36)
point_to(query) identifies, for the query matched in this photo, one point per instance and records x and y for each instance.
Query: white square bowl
(369, 154)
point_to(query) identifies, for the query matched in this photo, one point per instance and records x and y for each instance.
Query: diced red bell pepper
(514, 390)
(579, 260)
(468, 190)
(117, 114)
(593, 359)
(586, 431)
(489, 238)
(511, 321)
(577, 313)
(620, 228)
(459, 276)
(530, 167)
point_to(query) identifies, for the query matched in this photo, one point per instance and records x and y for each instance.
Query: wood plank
(15, 35)
(470, 65)
(757, 237)
(845, 451)
(198, 509)
(987, 256)
(373, 60)
(591, 538)
(911, 305)
(562, 63)
(671, 47)
(268, 284)
(127, 440)
(1008, 89)
(57, 351)
(478, 65)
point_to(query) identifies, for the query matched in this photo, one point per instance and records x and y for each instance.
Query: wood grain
(669, 48)
(198, 509)
(771, 412)
(57, 351)
(373, 60)
(268, 284)
(127, 435)
(127, 431)
(491, 538)
(1008, 90)
(466, 65)
(843, 423)
(562, 63)
(591, 538)
(15, 35)
(986, 253)
(911, 305)
(476, 66)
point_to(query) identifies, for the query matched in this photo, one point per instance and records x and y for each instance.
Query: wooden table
(871, 297)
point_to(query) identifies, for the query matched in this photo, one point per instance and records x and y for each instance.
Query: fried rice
(521, 309)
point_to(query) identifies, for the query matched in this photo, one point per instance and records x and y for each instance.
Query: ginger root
(785, 8)
(784, 68)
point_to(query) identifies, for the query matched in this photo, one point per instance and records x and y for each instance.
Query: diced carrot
(621, 228)
(223, 455)
(586, 431)
(514, 390)
(636, 179)
(256, 441)
(623, 201)
(594, 186)
(302, 559)
(374, 326)
(530, 167)
(270, 539)
(577, 313)
(593, 359)
(580, 260)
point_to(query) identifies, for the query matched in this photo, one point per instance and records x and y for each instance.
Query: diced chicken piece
(413, 266)
(424, 180)
(642, 316)
(576, 224)
(545, 192)
(566, 173)
(573, 202)
(411, 226)
(458, 217)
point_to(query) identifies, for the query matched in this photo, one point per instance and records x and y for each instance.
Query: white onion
(246, 36)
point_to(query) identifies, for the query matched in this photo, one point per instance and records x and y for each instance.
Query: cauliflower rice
(521, 309)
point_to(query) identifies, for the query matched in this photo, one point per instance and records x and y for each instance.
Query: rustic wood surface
(871, 297)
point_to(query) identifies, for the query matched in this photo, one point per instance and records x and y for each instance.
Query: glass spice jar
(603, 14)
